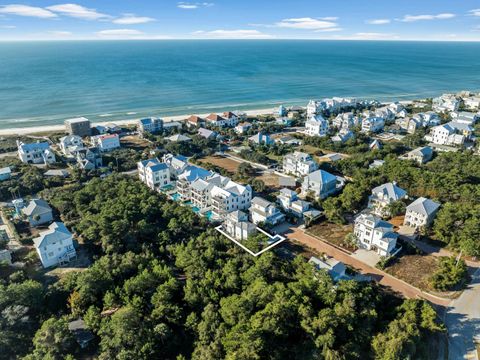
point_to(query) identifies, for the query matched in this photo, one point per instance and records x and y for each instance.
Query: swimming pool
(176, 197)
(209, 215)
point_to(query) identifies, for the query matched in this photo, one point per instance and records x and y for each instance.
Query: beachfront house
(195, 121)
(5, 173)
(320, 184)
(38, 212)
(78, 126)
(228, 119)
(298, 164)
(373, 124)
(445, 135)
(384, 195)
(154, 173)
(106, 142)
(55, 245)
(421, 213)
(316, 126)
(70, 144)
(336, 269)
(472, 102)
(150, 125)
(263, 211)
(237, 225)
(445, 103)
(261, 139)
(35, 153)
(373, 233)
(421, 155)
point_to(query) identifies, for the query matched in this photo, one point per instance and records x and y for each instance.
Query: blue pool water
(175, 197)
(43, 83)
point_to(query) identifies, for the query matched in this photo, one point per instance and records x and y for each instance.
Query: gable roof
(391, 190)
(56, 231)
(195, 119)
(423, 206)
(206, 133)
(215, 117)
(261, 202)
(321, 176)
(37, 207)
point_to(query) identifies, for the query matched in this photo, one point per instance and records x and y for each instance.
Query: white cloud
(60, 33)
(378, 21)
(329, 29)
(412, 18)
(8, 27)
(130, 19)
(78, 11)
(474, 12)
(373, 36)
(232, 34)
(307, 23)
(120, 33)
(25, 10)
(192, 6)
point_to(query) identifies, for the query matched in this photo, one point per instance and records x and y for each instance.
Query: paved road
(380, 276)
(463, 322)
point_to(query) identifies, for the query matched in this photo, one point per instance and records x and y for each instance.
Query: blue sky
(241, 19)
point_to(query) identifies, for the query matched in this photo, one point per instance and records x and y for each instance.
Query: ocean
(43, 83)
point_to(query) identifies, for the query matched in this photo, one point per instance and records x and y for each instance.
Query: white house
(150, 125)
(38, 212)
(298, 164)
(421, 212)
(35, 153)
(242, 128)
(346, 121)
(373, 124)
(472, 102)
(373, 233)
(5, 173)
(383, 195)
(231, 197)
(421, 155)
(195, 121)
(55, 245)
(263, 211)
(207, 134)
(154, 173)
(177, 164)
(446, 102)
(261, 139)
(228, 119)
(320, 183)
(343, 135)
(237, 225)
(187, 177)
(445, 135)
(316, 126)
(106, 142)
(89, 158)
(336, 269)
(70, 144)
(290, 203)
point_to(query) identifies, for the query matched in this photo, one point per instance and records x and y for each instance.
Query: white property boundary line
(280, 240)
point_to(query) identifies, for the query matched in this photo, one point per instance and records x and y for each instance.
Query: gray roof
(5, 170)
(206, 133)
(57, 172)
(288, 192)
(178, 138)
(56, 231)
(391, 190)
(423, 206)
(321, 176)
(37, 207)
(422, 151)
(261, 201)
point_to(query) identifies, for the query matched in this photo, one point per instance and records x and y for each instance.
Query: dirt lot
(134, 142)
(414, 269)
(223, 162)
(332, 233)
(270, 180)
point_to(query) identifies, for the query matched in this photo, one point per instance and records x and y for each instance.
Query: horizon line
(240, 39)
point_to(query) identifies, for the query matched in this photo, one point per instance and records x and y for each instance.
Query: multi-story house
(89, 158)
(384, 195)
(232, 118)
(299, 164)
(177, 164)
(38, 212)
(70, 145)
(445, 135)
(373, 233)
(446, 102)
(150, 125)
(421, 155)
(78, 126)
(343, 135)
(237, 225)
(243, 127)
(154, 173)
(55, 245)
(35, 153)
(373, 124)
(290, 203)
(421, 213)
(106, 142)
(263, 211)
(231, 197)
(320, 184)
(261, 139)
(316, 126)
(187, 177)
(346, 121)
(228, 119)
(195, 121)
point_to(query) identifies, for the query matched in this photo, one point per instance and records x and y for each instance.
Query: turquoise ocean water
(42, 83)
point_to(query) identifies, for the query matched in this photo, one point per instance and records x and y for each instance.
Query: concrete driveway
(368, 257)
(463, 322)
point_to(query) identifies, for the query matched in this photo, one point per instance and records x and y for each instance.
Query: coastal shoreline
(61, 127)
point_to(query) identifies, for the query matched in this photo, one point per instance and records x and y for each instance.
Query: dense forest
(165, 285)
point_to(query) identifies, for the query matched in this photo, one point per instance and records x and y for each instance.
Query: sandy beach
(61, 127)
